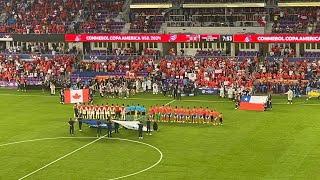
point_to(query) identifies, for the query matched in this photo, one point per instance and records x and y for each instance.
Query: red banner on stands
(269, 38)
(140, 37)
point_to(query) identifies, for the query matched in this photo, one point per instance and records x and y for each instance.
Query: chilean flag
(76, 96)
(253, 102)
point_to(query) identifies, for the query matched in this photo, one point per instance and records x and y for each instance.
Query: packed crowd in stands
(12, 69)
(45, 16)
(259, 76)
(125, 52)
(139, 64)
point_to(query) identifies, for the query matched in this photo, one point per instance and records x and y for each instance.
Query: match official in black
(148, 127)
(116, 127)
(71, 125)
(98, 128)
(140, 130)
(109, 129)
(80, 122)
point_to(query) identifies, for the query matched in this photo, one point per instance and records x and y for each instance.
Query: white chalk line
(103, 137)
(170, 102)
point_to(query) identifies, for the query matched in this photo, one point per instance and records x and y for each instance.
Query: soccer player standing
(123, 112)
(181, 112)
(194, 114)
(117, 112)
(151, 113)
(176, 114)
(156, 113)
(188, 113)
(163, 113)
(200, 115)
(207, 113)
(214, 116)
(112, 111)
(169, 113)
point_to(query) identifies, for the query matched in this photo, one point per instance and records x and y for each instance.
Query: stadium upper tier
(157, 16)
(61, 16)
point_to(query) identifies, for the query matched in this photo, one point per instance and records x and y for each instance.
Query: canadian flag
(76, 96)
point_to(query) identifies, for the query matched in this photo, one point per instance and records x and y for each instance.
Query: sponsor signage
(268, 38)
(140, 37)
(208, 91)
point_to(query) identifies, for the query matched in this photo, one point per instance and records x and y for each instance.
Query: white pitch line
(60, 158)
(170, 102)
(161, 156)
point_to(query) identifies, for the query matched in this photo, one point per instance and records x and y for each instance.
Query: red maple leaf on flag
(76, 96)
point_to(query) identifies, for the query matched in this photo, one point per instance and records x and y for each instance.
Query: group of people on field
(90, 111)
(157, 113)
(184, 115)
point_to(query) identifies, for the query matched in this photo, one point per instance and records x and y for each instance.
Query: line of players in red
(184, 115)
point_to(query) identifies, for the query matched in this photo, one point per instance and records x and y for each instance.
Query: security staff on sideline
(140, 130)
(116, 127)
(179, 93)
(109, 128)
(148, 126)
(98, 128)
(175, 92)
(71, 125)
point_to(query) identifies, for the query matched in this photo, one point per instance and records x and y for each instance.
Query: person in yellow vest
(220, 116)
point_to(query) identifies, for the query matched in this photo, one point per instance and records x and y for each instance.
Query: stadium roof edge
(299, 4)
(151, 6)
(227, 5)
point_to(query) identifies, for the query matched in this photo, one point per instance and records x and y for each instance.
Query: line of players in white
(107, 111)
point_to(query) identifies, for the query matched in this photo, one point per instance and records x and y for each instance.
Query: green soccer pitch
(280, 144)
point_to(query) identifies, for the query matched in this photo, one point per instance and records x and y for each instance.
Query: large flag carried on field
(253, 102)
(133, 125)
(76, 96)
